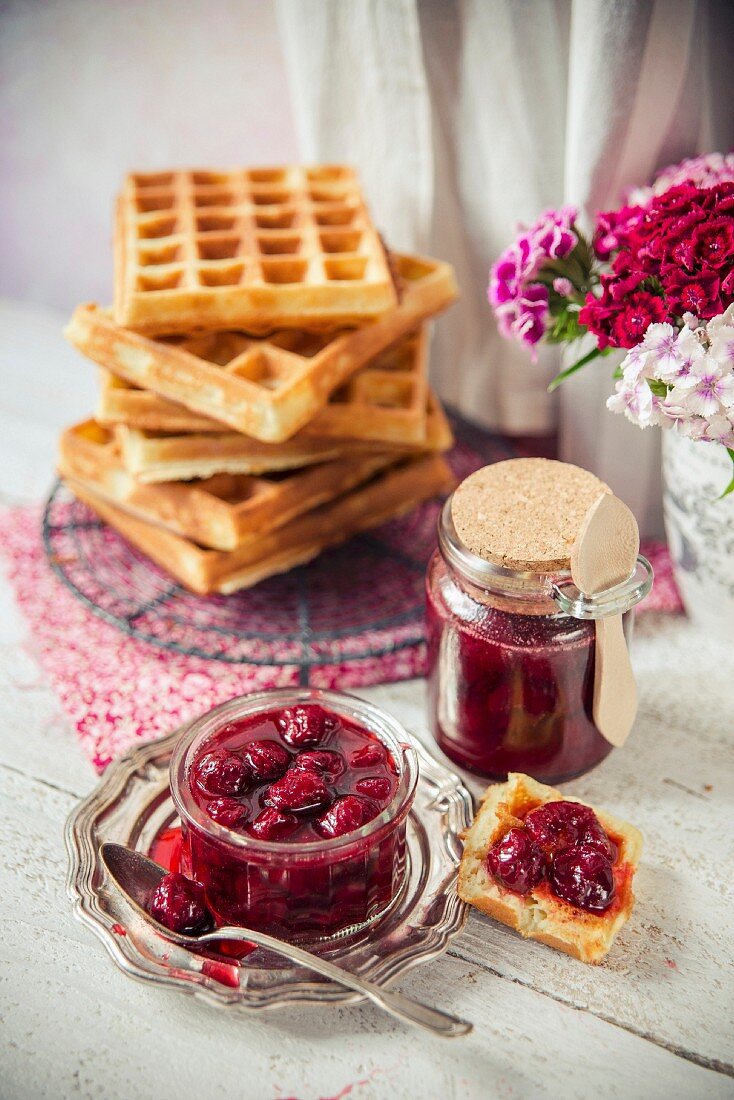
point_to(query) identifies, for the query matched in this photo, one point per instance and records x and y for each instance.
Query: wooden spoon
(603, 555)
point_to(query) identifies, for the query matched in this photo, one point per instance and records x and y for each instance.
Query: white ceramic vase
(700, 530)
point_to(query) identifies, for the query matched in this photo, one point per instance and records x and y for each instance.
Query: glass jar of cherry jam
(293, 807)
(511, 662)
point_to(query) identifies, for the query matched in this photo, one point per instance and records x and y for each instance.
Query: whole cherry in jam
(516, 861)
(583, 876)
(221, 772)
(266, 759)
(298, 791)
(345, 814)
(271, 824)
(329, 763)
(228, 812)
(557, 825)
(278, 775)
(369, 756)
(306, 725)
(374, 786)
(179, 903)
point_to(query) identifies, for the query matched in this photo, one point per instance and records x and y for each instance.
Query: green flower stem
(595, 353)
(730, 486)
(568, 268)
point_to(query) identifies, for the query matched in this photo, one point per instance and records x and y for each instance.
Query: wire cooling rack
(359, 601)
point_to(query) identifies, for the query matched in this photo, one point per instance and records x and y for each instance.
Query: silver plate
(132, 804)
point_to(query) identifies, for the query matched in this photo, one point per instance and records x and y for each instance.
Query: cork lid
(524, 513)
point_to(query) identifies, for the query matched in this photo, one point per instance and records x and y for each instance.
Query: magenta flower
(553, 232)
(518, 298)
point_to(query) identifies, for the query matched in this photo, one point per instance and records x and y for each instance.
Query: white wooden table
(656, 1020)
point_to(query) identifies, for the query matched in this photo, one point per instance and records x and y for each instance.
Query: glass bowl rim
(373, 717)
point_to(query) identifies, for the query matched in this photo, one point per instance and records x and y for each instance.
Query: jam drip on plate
(564, 844)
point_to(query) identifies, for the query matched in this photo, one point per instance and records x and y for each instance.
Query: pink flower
(553, 232)
(703, 171)
(610, 224)
(713, 243)
(531, 315)
(563, 286)
(519, 300)
(515, 267)
(621, 323)
(699, 295)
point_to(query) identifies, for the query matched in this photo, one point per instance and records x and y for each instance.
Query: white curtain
(466, 117)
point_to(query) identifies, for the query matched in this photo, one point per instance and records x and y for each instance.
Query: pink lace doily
(133, 655)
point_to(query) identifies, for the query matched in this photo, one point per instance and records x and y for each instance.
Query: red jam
(509, 691)
(306, 781)
(179, 903)
(565, 844)
(313, 789)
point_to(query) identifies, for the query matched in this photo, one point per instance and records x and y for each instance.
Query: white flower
(691, 321)
(720, 430)
(725, 318)
(707, 386)
(635, 400)
(722, 346)
(693, 427)
(661, 342)
(672, 415)
(678, 366)
(636, 364)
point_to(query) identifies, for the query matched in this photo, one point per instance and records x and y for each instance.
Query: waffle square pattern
(257, 249)
(383, 401)
(267, 387)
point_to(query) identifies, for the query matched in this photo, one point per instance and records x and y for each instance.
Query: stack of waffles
(263, 391)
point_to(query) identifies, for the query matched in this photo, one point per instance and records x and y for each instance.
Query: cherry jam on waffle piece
(299, 774)
(565, 844)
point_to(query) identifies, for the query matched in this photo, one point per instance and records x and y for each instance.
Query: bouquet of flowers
(656, 278)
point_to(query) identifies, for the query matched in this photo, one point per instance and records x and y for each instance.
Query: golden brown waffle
(384, 401)
(261, 249)
(163, 456)
(271, 387)
(157, 456)
(120, 402)
(391, 493)
(221, 512)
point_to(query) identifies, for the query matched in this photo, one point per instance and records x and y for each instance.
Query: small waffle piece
(540, 915)
(255, 249)
(270, 387)
(386, 400)
(221, 512)
(390, 493)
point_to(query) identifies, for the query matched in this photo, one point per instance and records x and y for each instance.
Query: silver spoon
(136, 877)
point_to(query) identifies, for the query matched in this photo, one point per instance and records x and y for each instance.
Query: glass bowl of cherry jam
(511, 659)
(293, 806)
